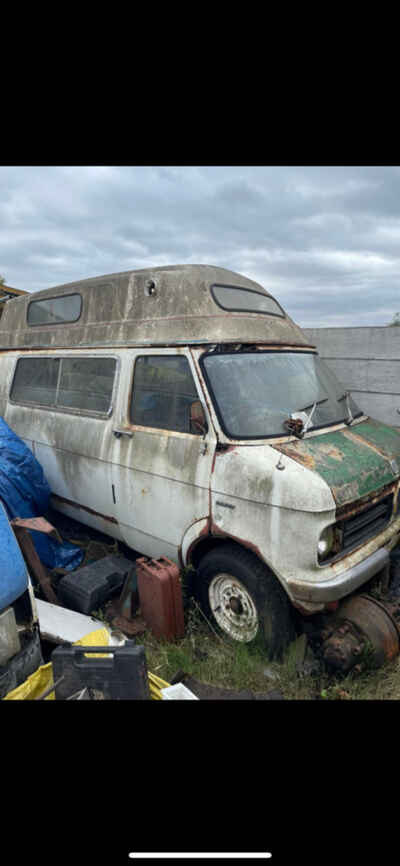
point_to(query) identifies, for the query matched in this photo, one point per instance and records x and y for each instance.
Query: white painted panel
(60, 625)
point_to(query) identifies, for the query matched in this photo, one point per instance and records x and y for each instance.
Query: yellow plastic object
(34, 686)
(42, 679)
(100, 637)
(156, 684)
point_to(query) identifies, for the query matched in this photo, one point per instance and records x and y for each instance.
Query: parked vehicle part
(363, 623)
(244, 598)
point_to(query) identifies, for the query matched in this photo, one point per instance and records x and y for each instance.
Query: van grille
(355, 530)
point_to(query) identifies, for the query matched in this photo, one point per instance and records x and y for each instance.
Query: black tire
(264, 594)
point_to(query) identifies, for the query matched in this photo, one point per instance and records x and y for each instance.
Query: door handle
(119, 433)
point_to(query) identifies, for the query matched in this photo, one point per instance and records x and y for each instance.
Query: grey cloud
(324, 240)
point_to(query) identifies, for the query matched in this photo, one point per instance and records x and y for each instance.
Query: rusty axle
(363, 623)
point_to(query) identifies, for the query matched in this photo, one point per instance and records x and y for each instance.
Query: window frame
(281, 315)
(66, 410)
(164, 430)
(54, 324)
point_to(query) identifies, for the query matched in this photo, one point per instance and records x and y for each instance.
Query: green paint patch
(351, 466)
(387, 439)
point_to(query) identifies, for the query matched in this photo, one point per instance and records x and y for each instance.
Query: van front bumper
(334, 588)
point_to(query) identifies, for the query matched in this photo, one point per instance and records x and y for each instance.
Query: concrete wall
(367, 361)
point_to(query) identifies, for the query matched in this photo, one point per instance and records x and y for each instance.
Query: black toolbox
(119, 676)
(88, 588)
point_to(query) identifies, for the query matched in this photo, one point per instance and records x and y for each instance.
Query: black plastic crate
(87, 588)
(121, 676)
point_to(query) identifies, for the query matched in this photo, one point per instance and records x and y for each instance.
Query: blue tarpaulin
(13, 573)
(26, 493)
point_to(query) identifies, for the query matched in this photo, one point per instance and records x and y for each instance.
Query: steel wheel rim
(233, 607)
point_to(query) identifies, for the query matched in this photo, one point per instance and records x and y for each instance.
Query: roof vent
(150, 288)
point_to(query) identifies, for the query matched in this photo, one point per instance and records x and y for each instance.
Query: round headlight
(325, 543)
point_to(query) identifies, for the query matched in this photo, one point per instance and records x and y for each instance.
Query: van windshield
(256, 392)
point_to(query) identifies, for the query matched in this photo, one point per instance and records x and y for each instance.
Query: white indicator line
(201, 856)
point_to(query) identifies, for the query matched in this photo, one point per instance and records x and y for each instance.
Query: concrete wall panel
(367, 361)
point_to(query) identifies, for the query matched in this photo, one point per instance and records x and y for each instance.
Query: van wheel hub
(233, 607)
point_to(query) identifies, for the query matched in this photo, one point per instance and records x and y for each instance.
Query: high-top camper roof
(172, 305)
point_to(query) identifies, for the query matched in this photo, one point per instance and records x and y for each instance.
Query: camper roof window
(240, 300)
(52, 311)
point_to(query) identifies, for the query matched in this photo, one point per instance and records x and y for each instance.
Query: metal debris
(22, 528)
(362, 626)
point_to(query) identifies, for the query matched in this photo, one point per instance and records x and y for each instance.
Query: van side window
(35, 381)
(65, 383)
(86, 383)
(163, 392)
(53, 311)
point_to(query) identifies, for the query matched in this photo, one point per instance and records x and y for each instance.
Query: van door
(162, 458)
(64, 404)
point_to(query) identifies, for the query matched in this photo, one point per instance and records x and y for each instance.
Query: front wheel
(245, 599)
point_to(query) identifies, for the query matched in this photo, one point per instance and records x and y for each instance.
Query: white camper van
(180, 410)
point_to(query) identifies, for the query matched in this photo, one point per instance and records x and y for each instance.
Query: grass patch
(225, 663)
(208, 657)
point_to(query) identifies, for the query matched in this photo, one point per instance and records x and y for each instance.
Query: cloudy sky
(324, 240)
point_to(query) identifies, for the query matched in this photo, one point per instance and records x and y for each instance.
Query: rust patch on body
(352, 509)
(83, 508)
(331, 451)
(223, 448)
(301, 457)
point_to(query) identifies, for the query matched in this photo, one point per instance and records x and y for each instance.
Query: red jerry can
(160, 596)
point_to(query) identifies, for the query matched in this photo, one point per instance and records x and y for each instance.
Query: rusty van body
(180, 410)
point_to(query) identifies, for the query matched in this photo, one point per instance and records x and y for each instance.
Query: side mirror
(198, 423)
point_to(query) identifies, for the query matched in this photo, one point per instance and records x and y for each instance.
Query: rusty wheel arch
(211, 542)
(207, 542)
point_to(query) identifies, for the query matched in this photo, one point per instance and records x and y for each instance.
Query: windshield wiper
(296, 424)
(316, 403)
(346, 396)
